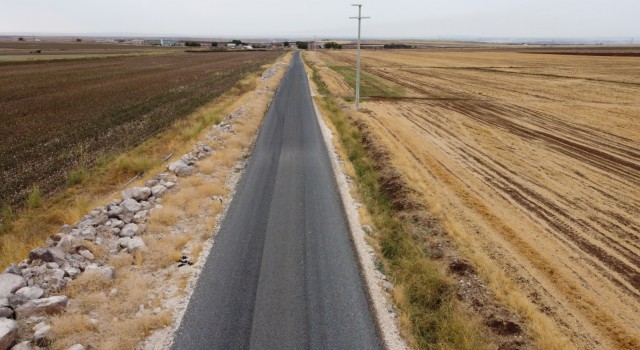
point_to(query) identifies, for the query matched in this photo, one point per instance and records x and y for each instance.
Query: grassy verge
(88, 187)
(370, 86)
(431, 316)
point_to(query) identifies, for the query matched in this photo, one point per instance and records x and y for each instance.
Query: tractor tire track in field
(543, 167)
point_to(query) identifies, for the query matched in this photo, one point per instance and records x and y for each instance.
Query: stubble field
(59, 117)
(532, 163)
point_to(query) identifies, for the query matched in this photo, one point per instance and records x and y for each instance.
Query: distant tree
(78, 39)
(302, 45)
(237, 42)
(397, 46)
(214, 44)
(21, 39)
(333, 45)
(192, 43)
(286, 44)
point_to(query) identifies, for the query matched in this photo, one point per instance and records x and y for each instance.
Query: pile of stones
(29, 290)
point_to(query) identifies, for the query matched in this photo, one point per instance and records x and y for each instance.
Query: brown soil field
(532, 163)
(11, 51)
(60, 115)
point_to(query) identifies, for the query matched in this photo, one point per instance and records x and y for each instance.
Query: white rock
(41, 334)
(184, 170)
(72, 272)
(5, 312)
(129, 230)
(8, 333)
(144, 205)
(9, 283)
(88, 233)
(58, 255)
(86, 254)
(158, 191)
(178, 163)
(49, 306)
(31, 293)
(130, 205)
(137, 193)
(140, 216)
(169, 184)
(123, 242)
(115, 223)
(135, 243)
(108, 272)
(76, 347)
(25, 345)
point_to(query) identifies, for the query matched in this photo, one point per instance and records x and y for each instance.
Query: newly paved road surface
(282, 273)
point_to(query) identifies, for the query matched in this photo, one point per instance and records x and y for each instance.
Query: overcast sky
(327, 18)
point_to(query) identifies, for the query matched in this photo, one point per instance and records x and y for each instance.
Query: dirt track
(533, 161)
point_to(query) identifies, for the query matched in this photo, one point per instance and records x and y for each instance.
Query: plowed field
(533, 161)
(58, 115)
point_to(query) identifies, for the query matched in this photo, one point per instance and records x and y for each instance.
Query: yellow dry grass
(531, 162)
(108, 312)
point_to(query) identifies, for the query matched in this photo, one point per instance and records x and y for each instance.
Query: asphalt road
(282, 273)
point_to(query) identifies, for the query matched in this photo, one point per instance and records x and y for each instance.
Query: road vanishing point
(282, 273)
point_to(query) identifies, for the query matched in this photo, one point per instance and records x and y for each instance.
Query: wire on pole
(359, 18)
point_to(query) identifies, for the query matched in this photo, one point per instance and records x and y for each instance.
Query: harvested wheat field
(532, 163)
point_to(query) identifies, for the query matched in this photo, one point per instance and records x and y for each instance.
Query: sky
(327, 18)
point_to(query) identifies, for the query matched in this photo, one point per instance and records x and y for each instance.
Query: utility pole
(359, 18)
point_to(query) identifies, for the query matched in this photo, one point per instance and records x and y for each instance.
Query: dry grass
(430, 315)
(528, 160)
(148, 277)
(165, 251)
(30, 228)
(109, 322)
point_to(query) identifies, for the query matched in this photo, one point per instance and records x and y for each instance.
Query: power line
(359, 18)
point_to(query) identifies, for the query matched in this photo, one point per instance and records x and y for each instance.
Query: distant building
(248, 47)
(161, 42)
(231, 46)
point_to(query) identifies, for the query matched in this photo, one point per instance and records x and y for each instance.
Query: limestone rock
(9, 283)
(41, 334)
(129, 230)
(88, 233)
(140, 216)
(50, 306)
(158, 191)
(58, 256)
(66, 244)
(25, 345)
(6, 312)
(137, 193)
(108, 272)
(114, 211)
(8, 333)
(76, 347)
(130, 205)
(135, 243)
(31, 293)
(13, 269)
(86, 254)
(17, 300)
